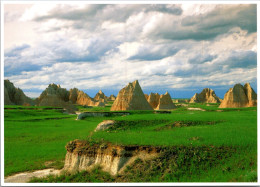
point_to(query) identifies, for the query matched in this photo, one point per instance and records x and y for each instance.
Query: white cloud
(107, 46)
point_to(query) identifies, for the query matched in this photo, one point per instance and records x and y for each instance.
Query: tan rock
(131, 97)
(100, 96)
(13, 95)
(54, 101)
(105, 125)
(112, 98)
(206, 96)
(251, 95)
(239, 96)
(73, 95)
(153, 100)
(165, 102)
(146, 96)
(84, 99)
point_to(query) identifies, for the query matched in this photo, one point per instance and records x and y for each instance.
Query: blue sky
(179, 48)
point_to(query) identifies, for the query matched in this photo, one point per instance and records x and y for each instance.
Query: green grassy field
(35, 138)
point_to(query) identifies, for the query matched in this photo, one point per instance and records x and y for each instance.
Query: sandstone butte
(100, 96)
(131, 97)
(206, 96)
(239, 96)
(165, 102)
(153, 100)
(15, 96)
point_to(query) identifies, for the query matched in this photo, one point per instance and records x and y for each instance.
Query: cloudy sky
(181, 48)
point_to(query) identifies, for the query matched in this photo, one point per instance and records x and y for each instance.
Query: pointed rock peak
(131, 97)
(135, 83)
(247, 85)
(100, 92)
(167, 93)
(206, 89)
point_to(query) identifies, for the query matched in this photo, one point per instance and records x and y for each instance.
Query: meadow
(223, 142)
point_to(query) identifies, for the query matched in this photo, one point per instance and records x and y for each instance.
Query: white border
(4, 2)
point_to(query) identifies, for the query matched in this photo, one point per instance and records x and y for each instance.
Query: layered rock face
(56, 96)
(81, 98)
(84, 99)
(165, 102)
(15, 96)
(131, 97)
(239, 96)
(113, 159)
(251, 95)
(153, 100)
(206, 96)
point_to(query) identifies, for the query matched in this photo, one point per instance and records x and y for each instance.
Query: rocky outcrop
(239, 96)
(15, 96)
(251, 95)
(206, 96)
(106, 124)
(100, 96)
(79, 97)
(146, 96)
(81, 155)
(153, 100)
(165, 102)
(111, 98)
(73, 95)
(56, 96)
(84, 99)
(131, 97)
(54, 89)
(55, 101)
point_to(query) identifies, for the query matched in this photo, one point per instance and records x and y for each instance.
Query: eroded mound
(84, 155)
(132, 163)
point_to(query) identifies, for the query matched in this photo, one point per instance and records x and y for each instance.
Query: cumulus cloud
(207, 26)
(165, 47)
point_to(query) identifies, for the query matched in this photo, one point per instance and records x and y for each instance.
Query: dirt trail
(26, 176)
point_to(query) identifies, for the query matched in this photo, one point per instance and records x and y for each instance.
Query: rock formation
(84, 99)
(79, 97)
(15, 96)
(206, 96)
(56, 96)
(239, 96)
(106, 124)
(54, 89)
(111, 98)
(153, 100)
(73, 95)
(100, 96)
(251, 95)
(81, 155)
(55, 101)
(165, 102)
(131, 97)
(146, 96)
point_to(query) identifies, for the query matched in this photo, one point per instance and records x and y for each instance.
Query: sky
(179, 48)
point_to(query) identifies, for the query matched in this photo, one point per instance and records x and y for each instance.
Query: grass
(36, 135)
